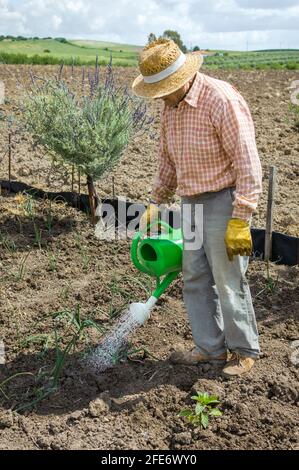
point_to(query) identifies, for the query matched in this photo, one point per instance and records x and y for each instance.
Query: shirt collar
(193, 94)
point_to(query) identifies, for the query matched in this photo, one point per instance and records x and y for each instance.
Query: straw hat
(164, 69)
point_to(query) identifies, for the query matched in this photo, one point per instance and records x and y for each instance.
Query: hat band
(166, 72)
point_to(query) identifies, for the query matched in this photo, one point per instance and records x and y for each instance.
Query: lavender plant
(88, 129)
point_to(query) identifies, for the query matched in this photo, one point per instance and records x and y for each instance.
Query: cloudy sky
(223, 24)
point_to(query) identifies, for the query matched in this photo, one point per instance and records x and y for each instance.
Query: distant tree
(151, 38)
(176, 37)
(63, 40)
(196, 48)
(35, 38)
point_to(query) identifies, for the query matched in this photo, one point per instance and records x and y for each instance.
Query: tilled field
(50, 262)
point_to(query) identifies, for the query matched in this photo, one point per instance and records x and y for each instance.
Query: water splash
(108, 352)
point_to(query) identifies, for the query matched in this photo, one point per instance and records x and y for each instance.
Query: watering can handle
(136, 240)
(159, 222)
(134, 256)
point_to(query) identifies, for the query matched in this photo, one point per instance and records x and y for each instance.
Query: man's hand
(150, 216)
(238, 239)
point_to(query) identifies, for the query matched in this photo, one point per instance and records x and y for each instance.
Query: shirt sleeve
(165, 181)
(235, 128)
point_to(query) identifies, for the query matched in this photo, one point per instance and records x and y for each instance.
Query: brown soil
(136, 404)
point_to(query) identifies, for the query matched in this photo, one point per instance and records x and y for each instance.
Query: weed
(271, 284)
(4, 382)
(43, 339)
(49, 220)
(85, 259)
(7, 243)
(28, 206)
(20, 273)
(38, 235)
(65, 292)
(83, 251)
(74, 326)
(52, 261)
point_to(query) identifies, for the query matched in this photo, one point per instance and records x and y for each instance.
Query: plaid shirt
(207, 143)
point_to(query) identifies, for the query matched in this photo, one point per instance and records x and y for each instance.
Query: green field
(79, 52)
(103, 44)
(276, 59)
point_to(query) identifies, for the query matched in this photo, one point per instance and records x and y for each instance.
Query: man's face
(174, 98)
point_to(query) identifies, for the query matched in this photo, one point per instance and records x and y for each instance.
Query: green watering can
(157, 255)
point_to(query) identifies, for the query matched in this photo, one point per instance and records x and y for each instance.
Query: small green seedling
(52, 261)
(28, 206)
(206, 407)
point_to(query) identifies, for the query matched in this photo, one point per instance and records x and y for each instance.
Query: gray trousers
(216, 293)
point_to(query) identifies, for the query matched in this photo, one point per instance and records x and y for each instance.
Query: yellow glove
(238, 239)
(149, 216)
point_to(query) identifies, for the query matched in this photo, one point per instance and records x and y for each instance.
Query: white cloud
(141, 19)
(56, 22)
(97, 24)
(11, 19)
(214, 23)
(76, 6)
(266, 4)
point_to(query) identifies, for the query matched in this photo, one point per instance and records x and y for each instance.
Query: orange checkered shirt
(207, 143)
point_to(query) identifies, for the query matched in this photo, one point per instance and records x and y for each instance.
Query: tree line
(175, 36)
(23, 38)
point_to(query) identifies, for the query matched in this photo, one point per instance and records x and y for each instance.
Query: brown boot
(238, 365)
(194, 357)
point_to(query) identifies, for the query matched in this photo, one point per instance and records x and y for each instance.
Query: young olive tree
(88, 128)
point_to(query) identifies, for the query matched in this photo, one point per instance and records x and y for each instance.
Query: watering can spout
(141, 311)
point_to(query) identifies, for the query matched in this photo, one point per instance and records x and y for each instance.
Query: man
(208, 155)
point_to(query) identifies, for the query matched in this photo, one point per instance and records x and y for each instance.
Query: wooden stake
(270, 209)
(113, 192)
(79, 181)
(9, 158)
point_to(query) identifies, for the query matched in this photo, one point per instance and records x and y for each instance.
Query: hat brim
(170, 84)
